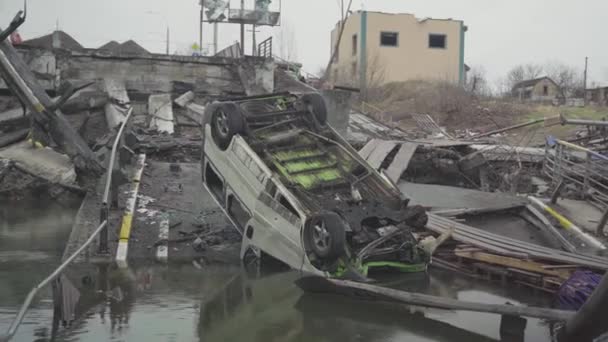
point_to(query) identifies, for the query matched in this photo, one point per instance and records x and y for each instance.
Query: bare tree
(477, 83)
(522, 73)
(568, 78)
(376, 72)
(344, 16)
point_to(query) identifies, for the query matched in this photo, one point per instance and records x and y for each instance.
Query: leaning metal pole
(105, 207)
(30, 297)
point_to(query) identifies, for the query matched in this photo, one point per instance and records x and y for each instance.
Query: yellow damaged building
(378, 48)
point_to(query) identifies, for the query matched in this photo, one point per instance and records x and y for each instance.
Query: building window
(214, 183)
(545, 90)
(354, 44)
(389, 38)
(285, 203)
(237, 212)
(437, 41)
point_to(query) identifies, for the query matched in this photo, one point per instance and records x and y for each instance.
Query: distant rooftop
(420, 20)
(57, 39)
(530, 83)
(130, 47)
(62, 40)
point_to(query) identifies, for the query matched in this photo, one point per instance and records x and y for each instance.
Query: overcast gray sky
(501, 33)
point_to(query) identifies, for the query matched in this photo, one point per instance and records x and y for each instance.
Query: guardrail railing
(566, 163)
(101, 230)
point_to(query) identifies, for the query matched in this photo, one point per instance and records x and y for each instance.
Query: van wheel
(326, 236)
(226, 122)
(315, 104)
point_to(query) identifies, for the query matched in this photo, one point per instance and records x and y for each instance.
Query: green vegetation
(591, 113)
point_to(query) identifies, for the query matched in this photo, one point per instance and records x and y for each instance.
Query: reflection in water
(33, 229)
(183, 303)
(32, 237)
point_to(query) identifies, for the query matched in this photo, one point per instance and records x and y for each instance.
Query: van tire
(326, 236)
(315, 104)
(226, 122)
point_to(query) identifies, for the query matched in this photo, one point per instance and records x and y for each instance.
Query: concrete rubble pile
(489, 194)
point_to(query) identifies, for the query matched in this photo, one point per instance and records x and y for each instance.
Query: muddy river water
(181, 302)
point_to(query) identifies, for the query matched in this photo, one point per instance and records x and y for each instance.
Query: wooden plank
(525, 265)
(401, 161)
(380, 152)
(368, 292)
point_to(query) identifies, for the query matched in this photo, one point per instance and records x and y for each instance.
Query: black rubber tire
(315, 103)
(334, 236)
(226, 122)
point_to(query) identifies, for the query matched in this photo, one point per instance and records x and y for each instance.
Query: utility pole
(168, 40)
(200, 37)
(585, 81)
(215, 27)
(254, 49)
(242, 28)
(254, 42)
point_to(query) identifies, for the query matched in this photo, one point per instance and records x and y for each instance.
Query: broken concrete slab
(257, 76)
(510, 153)
(362, 128)
(376, 152)
(117, 108)
(379, 153)
(85, 99)
(449, 197)
(401, 161)
(42, 162)
(160, 108)
(49, 124)
(11, 114)
(195, 112)
(13, 137)
(185, 99)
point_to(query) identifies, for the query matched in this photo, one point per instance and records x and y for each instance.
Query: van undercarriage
(351, 217)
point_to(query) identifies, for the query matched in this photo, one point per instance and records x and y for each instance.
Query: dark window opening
(238, 212)
(215, 183)
(437, 41)
(288, 206)
(545, 90)
(271, 189)
(354, 44)
(389, 38)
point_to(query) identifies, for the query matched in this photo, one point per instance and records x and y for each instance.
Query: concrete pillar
(338, 109)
